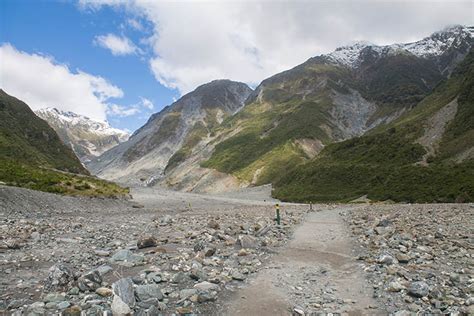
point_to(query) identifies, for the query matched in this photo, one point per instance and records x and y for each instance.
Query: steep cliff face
(88, 138)
(144, 157)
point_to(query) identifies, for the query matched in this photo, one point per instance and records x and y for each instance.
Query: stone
(60, 277)
(236, 275)
(102, 253)
(186, 293)
(123, 288)
(72, 311)
(104, 292)
(197, 274)
(184, 310)
(395, 286)
(203, 297)
(63, 305)
(206, 286)
(386, 259)
(126, 257)
(103, 270)
(213, 224)
(247, 241)
(154, 277)
(147, 242)
(90, 281)
(148, 291)
(178, 277)
(402, 258)
(418, 289)
(119, 307)
(166, 220)
(210, 251)
(199, 245)
(54, 297)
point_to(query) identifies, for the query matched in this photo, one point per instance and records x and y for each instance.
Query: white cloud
(147, 103)
(124, 111)
(195, 41)
(119, 46)
(41, 82)
(135, 24)
(121, 111)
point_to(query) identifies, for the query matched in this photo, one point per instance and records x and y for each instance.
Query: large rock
(206, 286)
(247, 241)
(418, 289)
(90, 281)
(127, 258)
(146, 242)
(123, 288)
(60, 278)
(145, 292)
(119, 307)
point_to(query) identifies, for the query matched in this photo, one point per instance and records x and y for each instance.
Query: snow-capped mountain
(87, 137)
(433, 47)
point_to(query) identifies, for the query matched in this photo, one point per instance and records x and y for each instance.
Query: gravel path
(316, 271)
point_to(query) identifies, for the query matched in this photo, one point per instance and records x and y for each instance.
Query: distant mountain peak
(87, 137)
(434, 45)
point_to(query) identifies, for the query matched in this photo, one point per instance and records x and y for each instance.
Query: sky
(121, 61)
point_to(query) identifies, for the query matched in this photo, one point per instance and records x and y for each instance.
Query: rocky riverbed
(418, 258)
(173, 253)
(145, 260)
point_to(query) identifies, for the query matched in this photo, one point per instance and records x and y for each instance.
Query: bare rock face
(60, 277)
(144, 157)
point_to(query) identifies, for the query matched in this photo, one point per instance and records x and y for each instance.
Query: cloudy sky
(121, 61)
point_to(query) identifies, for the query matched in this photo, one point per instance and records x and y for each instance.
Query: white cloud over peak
(42, 82)
(195, 42)
(118, 45)
(124, 111)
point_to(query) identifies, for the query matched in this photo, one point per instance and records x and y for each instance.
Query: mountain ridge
(88, 138)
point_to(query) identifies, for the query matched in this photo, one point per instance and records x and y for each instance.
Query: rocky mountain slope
(291, 117)
(168, 136)
(331, 98)
(88, 138)
(33, 156)
(425, 155)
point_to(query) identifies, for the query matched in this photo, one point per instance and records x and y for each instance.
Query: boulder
(60, 278)
(123, 288)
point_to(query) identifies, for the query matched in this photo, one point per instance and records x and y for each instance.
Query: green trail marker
(278, 219)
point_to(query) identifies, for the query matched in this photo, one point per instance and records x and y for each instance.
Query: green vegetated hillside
(385, 163)
(294, 108)
(33, 156)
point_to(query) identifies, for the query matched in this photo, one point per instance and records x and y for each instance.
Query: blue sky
(122, 60)
(65, 32)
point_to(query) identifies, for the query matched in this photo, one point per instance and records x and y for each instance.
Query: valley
(167, 252)
(366, 152)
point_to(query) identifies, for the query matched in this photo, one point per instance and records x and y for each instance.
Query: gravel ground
(167, 253)
(419, 258)
(178, 253)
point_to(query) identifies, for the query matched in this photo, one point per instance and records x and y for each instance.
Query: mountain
(88, 138)
(293, 115)
(426, 155)
(168, 136)
(32, 155)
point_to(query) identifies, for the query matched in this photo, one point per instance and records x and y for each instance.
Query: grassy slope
(270, 127)
(382, 163)
(33, 156)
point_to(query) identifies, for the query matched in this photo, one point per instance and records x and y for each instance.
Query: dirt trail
(316, 272)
